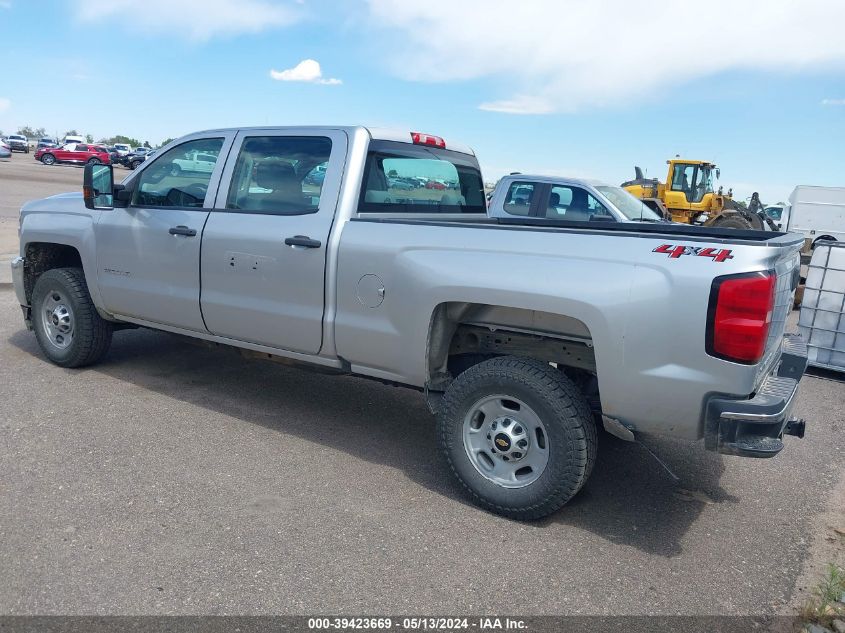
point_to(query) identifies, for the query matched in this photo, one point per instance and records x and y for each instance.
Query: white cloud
(520, 104)
(833, 102)
(197, 20)
(308, 71)
(5, 104)
(572, 54)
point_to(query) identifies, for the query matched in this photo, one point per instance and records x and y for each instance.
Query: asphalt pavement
(179, 479)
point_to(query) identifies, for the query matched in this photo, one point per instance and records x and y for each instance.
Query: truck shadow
(628, 500)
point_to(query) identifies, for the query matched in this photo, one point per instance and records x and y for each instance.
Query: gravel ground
(177, 479)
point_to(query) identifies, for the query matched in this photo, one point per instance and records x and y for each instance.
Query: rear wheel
(67, 326)
(94, 161)
(48, 159)
(518, 435)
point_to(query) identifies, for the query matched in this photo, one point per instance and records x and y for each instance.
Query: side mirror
(98, 187)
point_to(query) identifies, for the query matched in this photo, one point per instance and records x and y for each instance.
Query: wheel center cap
(503, 442)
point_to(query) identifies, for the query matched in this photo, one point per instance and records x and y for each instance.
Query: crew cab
(523, 333)
(78, 153)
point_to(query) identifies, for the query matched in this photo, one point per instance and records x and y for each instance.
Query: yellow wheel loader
(688, 197)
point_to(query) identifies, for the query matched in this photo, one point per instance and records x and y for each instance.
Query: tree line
(40, 132)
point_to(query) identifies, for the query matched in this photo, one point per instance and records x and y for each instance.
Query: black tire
(175, 170)
(565, 414)
(733, 221)
(48, 159)
(134, 164)
(94, 161)
(91, 333)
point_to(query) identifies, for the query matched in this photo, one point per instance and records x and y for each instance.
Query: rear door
(265, 242)
(148, 253)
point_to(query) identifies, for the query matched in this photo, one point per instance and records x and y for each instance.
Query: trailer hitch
(795, 427)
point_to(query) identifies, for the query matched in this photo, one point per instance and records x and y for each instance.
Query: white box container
(822, 318)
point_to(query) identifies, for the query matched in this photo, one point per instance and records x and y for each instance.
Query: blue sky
(560, 87)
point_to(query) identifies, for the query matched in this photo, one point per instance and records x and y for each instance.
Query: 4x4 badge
(674, 252)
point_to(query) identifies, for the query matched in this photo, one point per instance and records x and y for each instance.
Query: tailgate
(788, 270)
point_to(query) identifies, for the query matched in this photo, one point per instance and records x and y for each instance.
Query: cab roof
(375, 133)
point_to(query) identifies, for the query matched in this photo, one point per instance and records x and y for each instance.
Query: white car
(122, 148)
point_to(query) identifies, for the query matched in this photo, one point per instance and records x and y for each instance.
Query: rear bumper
(755, 427)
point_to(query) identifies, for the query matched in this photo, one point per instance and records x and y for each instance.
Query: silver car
(566, 199)
(5, 150)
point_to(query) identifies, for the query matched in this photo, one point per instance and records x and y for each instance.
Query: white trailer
(818, 213)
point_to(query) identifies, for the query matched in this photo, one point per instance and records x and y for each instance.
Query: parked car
(194, 161)
(79, 153)
(400, 184)
(122, 148)
(434, 184)
(46, 142)
(114, 155)
(566, 199)
(523, 337)
(67, 140)
(18, 143)
(5, 150)
(135, 158)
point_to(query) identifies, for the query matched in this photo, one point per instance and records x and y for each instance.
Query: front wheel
(519, 436)
(67, 326)
(48, 159)
(134, 165)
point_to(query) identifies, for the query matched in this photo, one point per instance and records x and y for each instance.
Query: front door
(265, 242)
(148, 253)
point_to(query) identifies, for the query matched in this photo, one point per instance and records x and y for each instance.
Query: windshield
(404, 178)
(628, 205)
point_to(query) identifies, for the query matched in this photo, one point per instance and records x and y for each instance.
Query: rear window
(403, 178)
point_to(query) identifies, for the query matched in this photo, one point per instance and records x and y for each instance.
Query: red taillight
(427, 139)
(739, 316)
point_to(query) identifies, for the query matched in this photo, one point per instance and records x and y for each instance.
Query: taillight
(427, 139)
(739, 316)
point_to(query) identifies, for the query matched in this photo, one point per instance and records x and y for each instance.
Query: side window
(172, 180)
(279, 174)
(81, 148)
(518, 199)
(682, 178)
(573, 204)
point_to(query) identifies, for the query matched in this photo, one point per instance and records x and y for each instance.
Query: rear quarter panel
(646, 312)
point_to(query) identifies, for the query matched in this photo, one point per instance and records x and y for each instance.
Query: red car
(79, 153)
(433, 184)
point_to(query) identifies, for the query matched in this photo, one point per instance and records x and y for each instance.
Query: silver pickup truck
(370, 252)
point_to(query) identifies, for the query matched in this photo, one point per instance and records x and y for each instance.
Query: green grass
(822, 607)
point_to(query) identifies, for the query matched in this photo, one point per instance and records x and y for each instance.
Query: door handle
(303, 240)
(182, 230)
